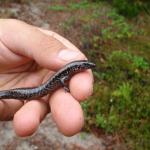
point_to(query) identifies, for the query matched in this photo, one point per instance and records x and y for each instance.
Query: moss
(121, 102)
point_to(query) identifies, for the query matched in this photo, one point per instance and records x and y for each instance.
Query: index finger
(26, 40)
(80, 90)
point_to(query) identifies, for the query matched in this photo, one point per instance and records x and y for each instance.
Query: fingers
(81, 90)
(65, 108)
(8, 109)
(48, 50)
(66, 112)
(66, 43)
(28, 118)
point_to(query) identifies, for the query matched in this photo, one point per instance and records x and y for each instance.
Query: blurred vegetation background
(115, 34)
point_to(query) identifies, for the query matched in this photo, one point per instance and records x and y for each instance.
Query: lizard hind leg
(65, 84)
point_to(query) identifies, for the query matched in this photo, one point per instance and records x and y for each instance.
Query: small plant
(57, 8)
(124, 91)
(140, 63)
(84, 4)
(118, 28)
(101, 121)
(71, 6)
(123, 95)
(127, 8)
(127, 61)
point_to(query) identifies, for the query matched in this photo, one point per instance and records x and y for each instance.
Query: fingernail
(67, 54)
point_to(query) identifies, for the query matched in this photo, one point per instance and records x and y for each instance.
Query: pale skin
(28, 57)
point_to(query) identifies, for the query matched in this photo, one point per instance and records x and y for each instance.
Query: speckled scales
(51, 85)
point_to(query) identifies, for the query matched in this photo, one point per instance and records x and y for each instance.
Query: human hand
(28, 56)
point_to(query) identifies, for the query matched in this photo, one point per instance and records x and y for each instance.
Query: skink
(59, 79)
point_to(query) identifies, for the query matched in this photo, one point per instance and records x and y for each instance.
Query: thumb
(47, 48)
